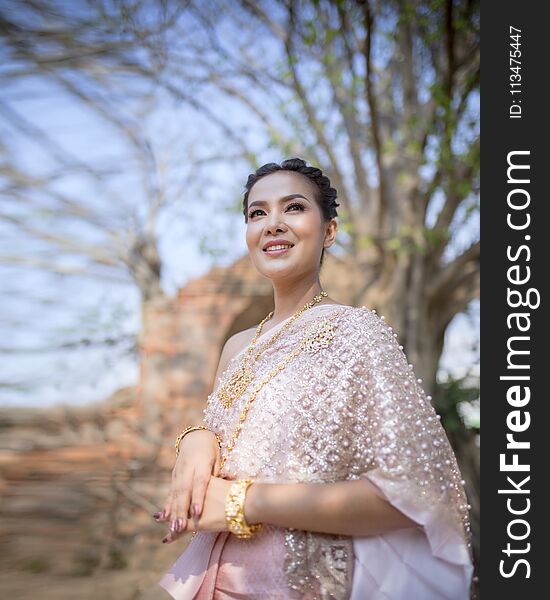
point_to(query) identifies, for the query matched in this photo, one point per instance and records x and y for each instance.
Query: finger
(169, 537)
(162, 515)
(174, 532)
(169, 505)
(200, 483)
(169, 508)
(182, 498)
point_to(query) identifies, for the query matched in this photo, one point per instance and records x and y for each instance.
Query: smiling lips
(277, 247)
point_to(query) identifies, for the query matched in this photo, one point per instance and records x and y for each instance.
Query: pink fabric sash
(399, 565)
(196, 566)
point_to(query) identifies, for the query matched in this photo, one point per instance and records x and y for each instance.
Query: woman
(355, 490)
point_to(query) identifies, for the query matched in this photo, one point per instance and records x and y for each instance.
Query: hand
(198, 459)
(212, 517)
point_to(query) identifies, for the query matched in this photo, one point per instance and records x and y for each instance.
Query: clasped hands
(196, 500)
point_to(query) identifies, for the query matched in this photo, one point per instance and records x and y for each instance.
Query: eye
(252, 213)
(293, 205)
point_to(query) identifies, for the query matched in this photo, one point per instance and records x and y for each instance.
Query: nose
(274, 224)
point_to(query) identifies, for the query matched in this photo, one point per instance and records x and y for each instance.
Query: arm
(345, 507)
(199, 456)
(198, 460)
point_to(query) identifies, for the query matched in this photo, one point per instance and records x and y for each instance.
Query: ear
(330, 233)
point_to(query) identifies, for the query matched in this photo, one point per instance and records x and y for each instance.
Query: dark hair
(325, 194)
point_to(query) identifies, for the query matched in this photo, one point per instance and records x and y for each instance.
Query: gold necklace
(241, 378)
(319, 335)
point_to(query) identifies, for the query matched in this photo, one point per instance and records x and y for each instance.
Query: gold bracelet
(234, 510)
(192, 428)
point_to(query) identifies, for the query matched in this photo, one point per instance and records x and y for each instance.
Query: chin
(293, 270)
(272, 273)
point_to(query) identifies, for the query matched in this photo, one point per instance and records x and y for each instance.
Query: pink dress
(347, 407)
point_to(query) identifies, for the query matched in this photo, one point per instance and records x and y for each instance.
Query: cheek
(307, 226)
(251, 235)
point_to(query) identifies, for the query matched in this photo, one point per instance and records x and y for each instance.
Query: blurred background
(127, 132)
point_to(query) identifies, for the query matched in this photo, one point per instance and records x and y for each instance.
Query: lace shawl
(348, 406)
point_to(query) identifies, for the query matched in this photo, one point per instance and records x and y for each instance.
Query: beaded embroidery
(346, 406)
(318, 335)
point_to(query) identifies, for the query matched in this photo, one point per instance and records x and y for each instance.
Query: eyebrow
(283, 199)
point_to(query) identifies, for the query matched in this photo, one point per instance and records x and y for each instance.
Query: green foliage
(344, 222)
(365, 241)
(408, 12)
(330, 35)
(309, 36)
(413, 147)
(390, 146)
(437, 90)
(449, 395)
(470, 208)
(412, 121)
(408, 240)
(435, 237)
(357, 80)
(463, 187)
(395, 244)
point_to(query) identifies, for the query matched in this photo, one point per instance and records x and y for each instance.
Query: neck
(290, 298)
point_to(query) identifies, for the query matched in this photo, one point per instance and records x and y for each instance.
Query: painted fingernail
(165, 541)
(196, 510)
(179, 524)
(157, 514)
(173, 526)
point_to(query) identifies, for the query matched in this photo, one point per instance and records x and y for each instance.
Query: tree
(66, 211)
(84, 52)
(383, 97)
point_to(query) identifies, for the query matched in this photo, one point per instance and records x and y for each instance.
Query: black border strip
(515, 257)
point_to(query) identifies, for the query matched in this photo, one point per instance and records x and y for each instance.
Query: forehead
(279, 184)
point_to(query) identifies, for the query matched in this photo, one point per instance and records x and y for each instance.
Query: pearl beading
(353, 408)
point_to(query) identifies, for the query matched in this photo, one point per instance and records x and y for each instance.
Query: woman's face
(282, 206)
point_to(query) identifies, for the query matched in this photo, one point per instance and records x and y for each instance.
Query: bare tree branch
(344, 97)
(462, 170)
(446, 279)
(311, 117)
(368, 19)
(465, 290)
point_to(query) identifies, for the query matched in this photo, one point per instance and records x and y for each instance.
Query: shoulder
(362, 317)
(238, 341)
(233, 345)
(369, 347)
(365, 329)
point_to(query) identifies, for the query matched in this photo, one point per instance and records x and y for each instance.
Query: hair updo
(325, 195)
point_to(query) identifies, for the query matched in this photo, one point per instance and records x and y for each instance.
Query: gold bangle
(192, 428)
(234, 510)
